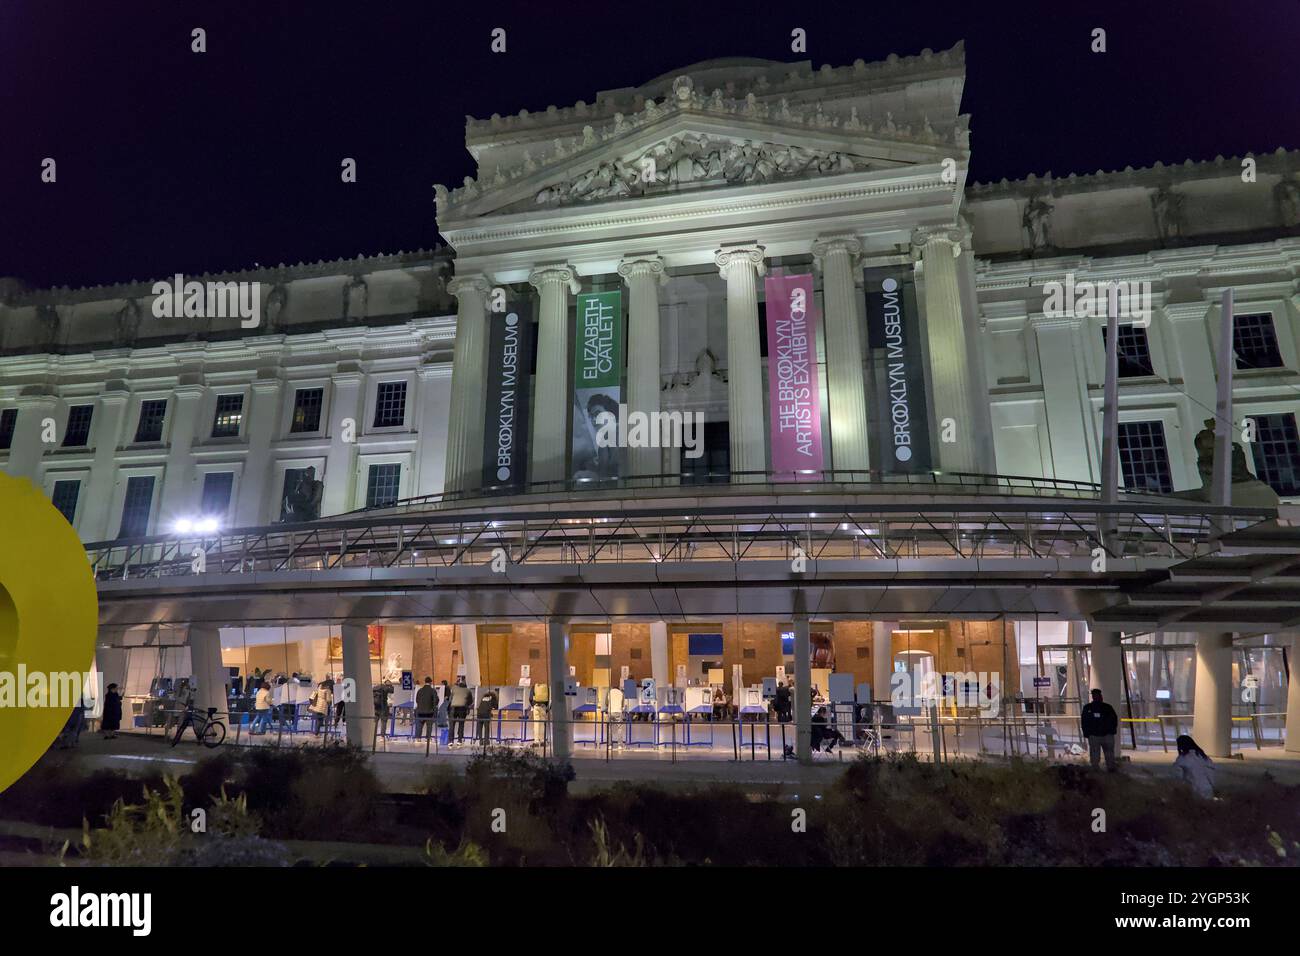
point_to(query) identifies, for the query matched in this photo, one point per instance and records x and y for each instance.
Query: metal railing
(736, 532)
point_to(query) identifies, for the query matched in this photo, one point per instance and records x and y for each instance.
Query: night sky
(173, 161)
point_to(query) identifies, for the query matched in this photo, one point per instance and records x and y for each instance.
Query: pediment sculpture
(698, 160)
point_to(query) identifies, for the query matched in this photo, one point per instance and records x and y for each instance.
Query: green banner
(597, 385)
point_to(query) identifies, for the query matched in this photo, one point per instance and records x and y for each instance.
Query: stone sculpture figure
(47, 321)
(128, 322)
(274, 306)
(1286, 196)
(1037, 222)
(1167, 205)
(1204, 444)
(302, 503)
(355, 296)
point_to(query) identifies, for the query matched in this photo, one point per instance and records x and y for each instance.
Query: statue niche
(302, 502)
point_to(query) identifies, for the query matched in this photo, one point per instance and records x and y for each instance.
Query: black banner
(894, 336)
(505, 431)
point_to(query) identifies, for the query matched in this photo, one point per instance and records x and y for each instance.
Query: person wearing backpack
(426, 706)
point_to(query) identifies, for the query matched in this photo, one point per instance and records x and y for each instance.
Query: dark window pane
(291, 476)
(1277, 453)
(230, 413)
(306, 409)
(135, 507)
(390, 404)
(77, 434)
(216, 494)
(64, 498)
(714, 465)
(152, 413)
(1144, 457)
(8, 419)
(382, 485)
(1134, 353)
(1254, 341)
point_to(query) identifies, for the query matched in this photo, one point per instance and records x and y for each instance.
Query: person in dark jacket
(487, 702)
(783, 703)
(111, 722)
(1099, 723)
(383, 691)
(823, 732)
(426, 706)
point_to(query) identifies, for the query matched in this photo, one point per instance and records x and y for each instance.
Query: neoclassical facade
(758, 244)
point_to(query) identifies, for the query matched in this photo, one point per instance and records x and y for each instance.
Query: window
(382, 485)
(390, 404)
(135, 507)
(215, 501)
(1144, 457)
(1277, 453)
(714, 466)
(152, 413)
(64, 497)
(229, 416)
(306, 409)
(1134, 353)
(1254, 341)
(77, 434)
(8, 419)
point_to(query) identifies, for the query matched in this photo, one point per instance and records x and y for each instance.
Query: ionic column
(845, 381)
(1212, 694)
(643, 275)
(551, 412)
(465, 413)
(177, 499)
(741, 266)
(358, 714)
(949, 359)
(469, 653)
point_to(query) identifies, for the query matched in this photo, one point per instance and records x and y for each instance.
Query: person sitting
(1197, 768)
(823, 732)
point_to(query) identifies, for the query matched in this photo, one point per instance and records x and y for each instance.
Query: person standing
(782, 704)
(426, 706)
(444, 707)
(539, 702)
(262, 704)
(461, 698)
(112, 719)
(383, 691)
(1197, 768)
(1099, 724)
(487, 702)
(319, 703)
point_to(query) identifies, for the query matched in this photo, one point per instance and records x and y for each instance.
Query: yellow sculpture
(49, 614)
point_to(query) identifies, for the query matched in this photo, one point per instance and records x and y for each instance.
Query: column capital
(825, 246)
(632, 267)
(474, 282)
(932, 238)
(555, 272)
(751, 255)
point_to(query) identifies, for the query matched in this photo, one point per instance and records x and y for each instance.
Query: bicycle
(210, 731)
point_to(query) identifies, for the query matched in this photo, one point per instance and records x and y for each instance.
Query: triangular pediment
(684, 149)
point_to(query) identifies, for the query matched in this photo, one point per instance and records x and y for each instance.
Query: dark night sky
(171, 161)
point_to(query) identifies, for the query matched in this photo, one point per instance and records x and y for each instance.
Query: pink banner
(793, 397)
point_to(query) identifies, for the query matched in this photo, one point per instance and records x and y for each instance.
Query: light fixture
(183, 526)
(207, 526)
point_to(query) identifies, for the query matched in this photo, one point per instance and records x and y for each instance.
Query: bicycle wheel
(213, 734)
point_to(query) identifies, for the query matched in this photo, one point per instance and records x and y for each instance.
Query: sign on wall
(505, 434)
(794, 401)
(894, 336)
(597, 381)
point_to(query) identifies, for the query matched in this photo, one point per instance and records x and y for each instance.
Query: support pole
(359, 706)
(802, 690)
(558, 670)
(1293, 699)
